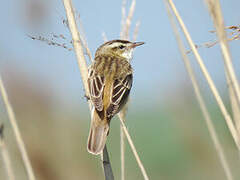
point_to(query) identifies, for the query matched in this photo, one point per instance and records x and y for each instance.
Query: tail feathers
(98, 134)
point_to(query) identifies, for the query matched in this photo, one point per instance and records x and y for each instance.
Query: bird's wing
(120, 91)
(96, 86)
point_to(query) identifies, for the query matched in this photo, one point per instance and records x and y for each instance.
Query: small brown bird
(110, 81)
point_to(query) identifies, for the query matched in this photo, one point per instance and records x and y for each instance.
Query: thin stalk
(83, 69)
(77, 43)
(122, 115)
(6, 157)
(125, 34)
(211, 84)
(83, 39)
(126, 24)
(202, 104)
(18, 136)
(122, 151)
(234, 104)
(233, 85)
(124, 2)
(140, 164)
(135, 32)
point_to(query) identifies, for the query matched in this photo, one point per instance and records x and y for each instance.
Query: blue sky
(158, 67)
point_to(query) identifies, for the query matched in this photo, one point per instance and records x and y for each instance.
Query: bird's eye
(121, 47)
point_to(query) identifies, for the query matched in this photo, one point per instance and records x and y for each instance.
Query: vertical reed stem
(18, 136)
(209, 123)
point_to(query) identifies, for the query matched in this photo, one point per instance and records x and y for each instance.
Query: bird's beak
(135, 44)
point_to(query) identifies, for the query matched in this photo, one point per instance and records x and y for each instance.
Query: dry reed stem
(13, 122)
(5, 155)
(123, 18)
(77, 43)
(210, 125)
(122, 152)
(125, 34)
(134, 149)
(83, 38)
(6, 161)
(122, 137)
(122, 114)
(234, 103)
(84, 71)
(234, 91)
(135, 32)
(208, 78)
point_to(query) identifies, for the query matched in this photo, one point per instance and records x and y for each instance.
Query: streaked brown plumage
(110, 82)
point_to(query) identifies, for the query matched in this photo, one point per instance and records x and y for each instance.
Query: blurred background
(164, 119)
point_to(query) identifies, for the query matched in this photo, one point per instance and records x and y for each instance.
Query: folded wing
(96, 86)
(120, 92)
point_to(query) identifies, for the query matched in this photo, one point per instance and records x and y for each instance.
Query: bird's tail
(98, 134)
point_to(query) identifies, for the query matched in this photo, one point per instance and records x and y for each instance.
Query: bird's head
(119, 48)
